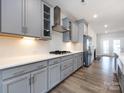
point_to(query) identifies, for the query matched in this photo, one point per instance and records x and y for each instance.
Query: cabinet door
(75, 32)
(17, 85)
(75, 63)
(79, 61)
(47, 14)
(54, 75)
(81, 31)
(33, 17)
(11, 16)
(39, 81)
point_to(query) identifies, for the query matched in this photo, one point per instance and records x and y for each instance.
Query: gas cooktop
(58, 52)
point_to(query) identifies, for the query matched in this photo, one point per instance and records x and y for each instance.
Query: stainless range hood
(57, 20)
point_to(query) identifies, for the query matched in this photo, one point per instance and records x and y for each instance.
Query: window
(105, 46)
(116, 46)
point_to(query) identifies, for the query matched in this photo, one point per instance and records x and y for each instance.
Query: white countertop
(23, 60)
(121, 58)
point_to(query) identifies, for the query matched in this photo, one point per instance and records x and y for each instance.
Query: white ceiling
(110, 12)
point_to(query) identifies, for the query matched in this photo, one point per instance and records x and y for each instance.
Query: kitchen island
(120, 70)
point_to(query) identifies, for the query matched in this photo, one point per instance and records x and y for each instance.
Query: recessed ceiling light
(83, 1)
(106, 26)
(95, 16)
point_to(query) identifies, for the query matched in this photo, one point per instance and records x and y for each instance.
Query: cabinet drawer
(38, 65)
(67, 57)
(66, 64)
(17, 71)
(54, 61)
(66, 73)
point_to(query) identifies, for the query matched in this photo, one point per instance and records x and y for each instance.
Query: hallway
(98, 78)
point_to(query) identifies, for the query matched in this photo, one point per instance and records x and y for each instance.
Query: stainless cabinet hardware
(24, 30)
(32, 80)
(48, 30)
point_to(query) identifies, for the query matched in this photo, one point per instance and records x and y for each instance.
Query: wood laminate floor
(98, 78)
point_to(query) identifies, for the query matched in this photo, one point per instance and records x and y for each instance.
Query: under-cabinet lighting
(27, 41)
(95, 16)
(106, 26)
(28, 38)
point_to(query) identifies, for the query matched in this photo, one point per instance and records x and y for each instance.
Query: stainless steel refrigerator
(87, 48)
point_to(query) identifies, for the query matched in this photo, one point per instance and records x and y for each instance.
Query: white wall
(92, 33)
(110, 36)
(11, 47)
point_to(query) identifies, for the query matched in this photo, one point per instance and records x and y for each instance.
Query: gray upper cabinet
(83, 27)
(39, 80)
(66, 36)
(72, 33)
(75, 32)
(19, 84)
(33, 18)
(26, 17)
(47, 20)
(67, 24)
(11, 16)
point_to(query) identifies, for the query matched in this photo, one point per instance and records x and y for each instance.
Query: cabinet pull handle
(29, 81)
(47, 30)
(32, 80)
(55, 66)
(24, 30)
(55, 62)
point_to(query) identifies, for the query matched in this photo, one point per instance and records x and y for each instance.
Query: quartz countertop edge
(6, 63)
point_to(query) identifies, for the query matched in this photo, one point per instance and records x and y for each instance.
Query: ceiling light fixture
(83, 1)
(106, 26)
(95, 16)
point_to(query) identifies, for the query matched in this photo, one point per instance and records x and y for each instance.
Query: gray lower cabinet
(54, 75)
(39, 77)
(66, 67)
(34, 82)
(39, 81)
(75, 63)
(17, 85)
(120, 75)
(80, 61)
(66, 72)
